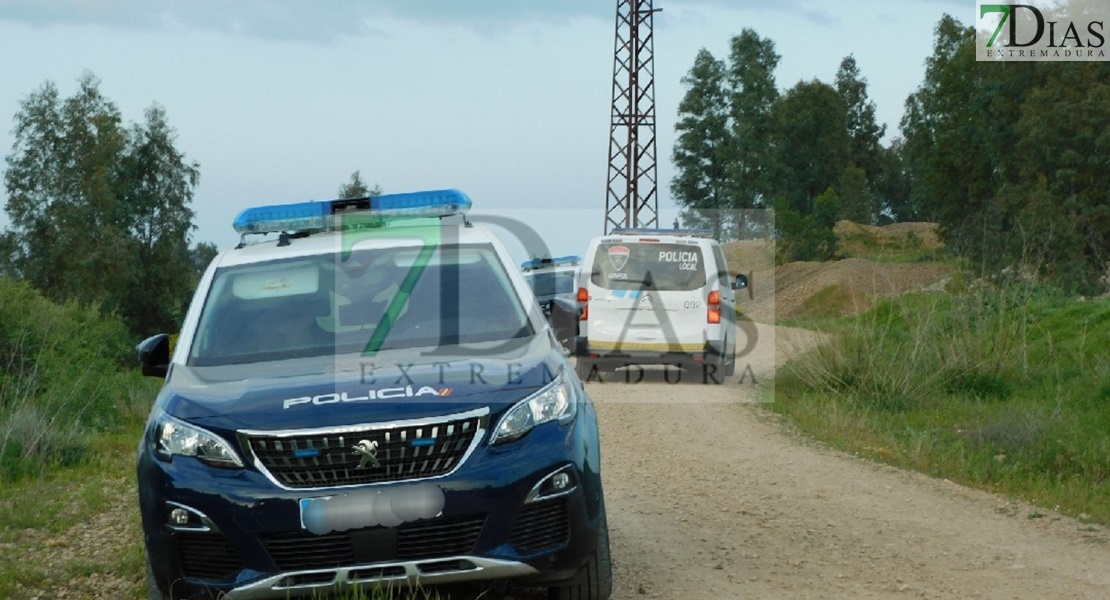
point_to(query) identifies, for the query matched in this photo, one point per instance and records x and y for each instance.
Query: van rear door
(648, 296)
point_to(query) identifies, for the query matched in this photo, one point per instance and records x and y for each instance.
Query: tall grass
(1005, 387)
(62, 378)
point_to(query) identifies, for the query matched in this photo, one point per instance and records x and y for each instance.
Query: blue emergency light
(539, 263)
(322, 215)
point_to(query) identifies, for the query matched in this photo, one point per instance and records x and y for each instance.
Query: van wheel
(595, 580)
(584, 367)
(730, 366)
(720, 369)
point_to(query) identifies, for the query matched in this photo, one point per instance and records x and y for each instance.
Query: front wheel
(583, 368)
(152, 591)
(595, 580)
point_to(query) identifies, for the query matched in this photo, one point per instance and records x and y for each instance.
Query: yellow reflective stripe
(647, 346)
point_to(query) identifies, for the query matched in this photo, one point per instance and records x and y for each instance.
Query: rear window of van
(648, 266)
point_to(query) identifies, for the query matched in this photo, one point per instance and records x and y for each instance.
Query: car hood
(352, 390)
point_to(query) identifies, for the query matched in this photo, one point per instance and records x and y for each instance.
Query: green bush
(62, 376)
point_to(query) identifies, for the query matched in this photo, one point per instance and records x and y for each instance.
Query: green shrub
(62, 376)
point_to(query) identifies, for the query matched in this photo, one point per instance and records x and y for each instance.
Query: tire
(583, 368)
(721, 363)
(730, 366)
(595, 580)
(152, 591)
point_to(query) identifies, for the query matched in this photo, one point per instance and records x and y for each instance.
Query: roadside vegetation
(65, 379)
(71, 412)
(1003, 386)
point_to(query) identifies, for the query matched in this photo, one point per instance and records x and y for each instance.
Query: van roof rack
(705, 233)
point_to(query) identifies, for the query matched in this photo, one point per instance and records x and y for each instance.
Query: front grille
(414, 541)
(438, 538)
(329, 459)
(208, 556)
(541, 525)
(306, 551)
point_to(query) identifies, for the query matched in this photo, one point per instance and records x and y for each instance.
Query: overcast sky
(508, 100)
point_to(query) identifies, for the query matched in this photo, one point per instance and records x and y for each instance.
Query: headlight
(553, 402)
(182, 439)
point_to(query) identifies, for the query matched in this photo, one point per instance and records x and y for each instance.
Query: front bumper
(384, 575)
(244, 537)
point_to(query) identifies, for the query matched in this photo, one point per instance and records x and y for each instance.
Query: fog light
(179, 516)
(560, 481)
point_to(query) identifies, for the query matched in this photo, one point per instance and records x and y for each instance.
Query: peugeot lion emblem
(368, 453)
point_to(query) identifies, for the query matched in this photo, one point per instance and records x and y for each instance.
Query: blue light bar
(438, 203)
(301, 216)
(539, 263)
(327, 214)
(641, 231)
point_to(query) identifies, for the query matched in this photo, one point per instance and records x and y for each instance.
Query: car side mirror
(741, 282)
(154, 355)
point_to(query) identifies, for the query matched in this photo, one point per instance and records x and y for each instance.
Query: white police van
(657, 296)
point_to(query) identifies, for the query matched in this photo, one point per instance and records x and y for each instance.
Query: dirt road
(710, 497)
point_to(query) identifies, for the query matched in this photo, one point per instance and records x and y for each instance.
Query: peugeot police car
(656, 296)
(367, 396)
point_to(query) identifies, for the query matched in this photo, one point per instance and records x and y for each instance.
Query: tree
(856, 196)
(701, 152)
(63, 189)
(200, 256)
(865, 151)
(811, 144)
(864, 132)
(1010, 159)
(807, 236)
(99, 212)
(752, 95)
(158, 188)
(959, 136)
(1065, 171)
(894, 185)
(357, 188)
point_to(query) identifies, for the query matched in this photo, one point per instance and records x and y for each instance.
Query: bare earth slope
(867, 271)
(709, 497)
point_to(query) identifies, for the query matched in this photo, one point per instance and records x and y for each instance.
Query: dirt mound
(880, 261)
(840, 287)
(748, 256)
(854, 239)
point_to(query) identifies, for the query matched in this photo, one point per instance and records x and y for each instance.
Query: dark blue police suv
(368, 398)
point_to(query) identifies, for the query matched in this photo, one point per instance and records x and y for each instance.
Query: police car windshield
(648, 265)
(369, 301)
(552, 283)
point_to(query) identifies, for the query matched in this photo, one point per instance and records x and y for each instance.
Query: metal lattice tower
(632, 199)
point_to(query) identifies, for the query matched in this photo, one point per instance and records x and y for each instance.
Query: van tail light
(713, 316)
(583, 304)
